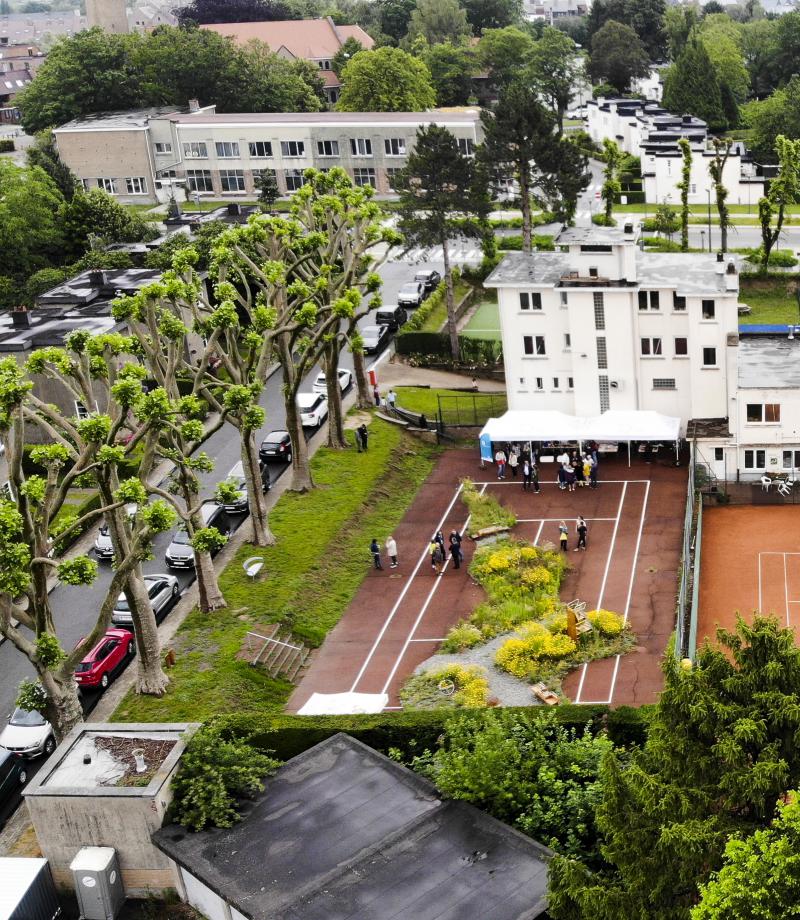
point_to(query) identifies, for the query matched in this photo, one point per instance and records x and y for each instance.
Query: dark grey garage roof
(343, 833)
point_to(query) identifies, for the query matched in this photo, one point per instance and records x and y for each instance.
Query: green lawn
(485, 322)
(312, 573)
(772, 300)
(699, 209)
(438, 317)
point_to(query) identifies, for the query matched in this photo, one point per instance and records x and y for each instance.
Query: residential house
(18, 64)
(314, 40)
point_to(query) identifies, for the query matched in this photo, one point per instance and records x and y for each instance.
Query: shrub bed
(484, 510)
(454, 686)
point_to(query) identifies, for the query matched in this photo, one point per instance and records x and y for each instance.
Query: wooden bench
(545, 694)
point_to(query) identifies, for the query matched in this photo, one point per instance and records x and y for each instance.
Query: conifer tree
(691, 87)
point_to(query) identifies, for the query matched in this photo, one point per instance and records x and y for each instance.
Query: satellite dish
(253, 566)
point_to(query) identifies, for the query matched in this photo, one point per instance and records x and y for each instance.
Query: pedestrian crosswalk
(458, 254)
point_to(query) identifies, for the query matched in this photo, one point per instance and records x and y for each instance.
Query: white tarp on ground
(615, 425)
(343, 704)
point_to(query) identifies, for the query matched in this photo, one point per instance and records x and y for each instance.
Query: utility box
(98, 883)
(27, 891)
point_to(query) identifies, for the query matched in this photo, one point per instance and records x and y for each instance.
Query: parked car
(313, 409)
(102, 545)
(375, 338)
(277, 445)
(28, 733)
(345, 379)
(393, 317)
(411, 294)
(13, 775)
(110, 656)
(180, 554)
(236, 478)
(163, 591)
(429, 278)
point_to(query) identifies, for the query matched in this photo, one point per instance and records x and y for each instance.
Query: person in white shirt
(391, 551)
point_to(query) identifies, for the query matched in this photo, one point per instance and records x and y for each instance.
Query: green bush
(480, 273)
(601, 220)
(422, 343)
(658, 244)
(778, 258)
(631, 196)
(90, 504)
(7, 145)
(422, 313)
(541, 241)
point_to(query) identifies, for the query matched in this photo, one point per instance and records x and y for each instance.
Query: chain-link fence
(472, 410)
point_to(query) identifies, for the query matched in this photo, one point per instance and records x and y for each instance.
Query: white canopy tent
(614, 425)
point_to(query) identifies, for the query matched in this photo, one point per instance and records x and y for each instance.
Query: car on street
(240, 505)
(375, 338)
(102, 544)
(163, 591)
(430, 278)
(28, 733)
(110, 656)
(393, 317)
(13, 775)
(277, 445)
(180, 554)
(313, 409)
(411, 294)
(345, 379)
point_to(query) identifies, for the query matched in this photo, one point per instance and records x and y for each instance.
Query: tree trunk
(301, 464)
(150, 677)
(525, 200)
(211, 597)
(262, 535)
(450, 300)
(63, 709)
(363, 398)
(335, 419)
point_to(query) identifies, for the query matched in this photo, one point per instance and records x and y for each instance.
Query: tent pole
(629, 453)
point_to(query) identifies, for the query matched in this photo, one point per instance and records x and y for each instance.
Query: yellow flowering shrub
(454, 685)
(462, 635)
(538, 578)
(521, 654)
(606, 622)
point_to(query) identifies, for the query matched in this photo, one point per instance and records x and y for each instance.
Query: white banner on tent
(343, 704)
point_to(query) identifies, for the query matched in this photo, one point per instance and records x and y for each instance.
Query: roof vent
(97, 278)
(720, 257)
(21, 317)
(194, 106)
(731, 269)
(628, 229)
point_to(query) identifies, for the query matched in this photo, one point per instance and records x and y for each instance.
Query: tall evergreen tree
(691, 87)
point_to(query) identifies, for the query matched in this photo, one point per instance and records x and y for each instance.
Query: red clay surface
(399, 616)
(750, 560)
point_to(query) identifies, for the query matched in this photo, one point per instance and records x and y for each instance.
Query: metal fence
(472, 410)
(689, 580)
(778, 492)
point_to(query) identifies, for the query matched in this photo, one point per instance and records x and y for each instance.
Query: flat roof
(466, 116)
(602, 236)
(134, 119)
(529, 268)
(769, 362)
(343, 832)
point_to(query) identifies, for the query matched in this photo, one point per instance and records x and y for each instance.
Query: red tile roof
(310, 39)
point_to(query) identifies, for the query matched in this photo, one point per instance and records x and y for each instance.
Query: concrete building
(108, 15)
(314, 40)
(600, 326)
(132, 154)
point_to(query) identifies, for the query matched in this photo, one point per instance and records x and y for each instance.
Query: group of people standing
(437, 550)
(518, 460)
(576, 470)
(581, 529)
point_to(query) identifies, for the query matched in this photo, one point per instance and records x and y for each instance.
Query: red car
(109, 656)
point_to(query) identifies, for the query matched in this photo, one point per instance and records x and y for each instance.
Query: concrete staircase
(280, 654)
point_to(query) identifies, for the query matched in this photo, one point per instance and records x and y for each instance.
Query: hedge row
(7, 145)
(414, 730)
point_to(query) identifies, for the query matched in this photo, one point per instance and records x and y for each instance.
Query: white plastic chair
(784, 487)
(766, 482)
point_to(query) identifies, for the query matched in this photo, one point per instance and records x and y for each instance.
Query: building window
(678, 303)
(651, 347)
(719, 454)
(791, 459)
(663, 383)
(530, 301)
(392, 174)
(328, 148)
(642, 300)
(364, 175)
(196, 150)
(681, 346)
(227, 150)
(650, 298)
(466, 145)
(570, 383)
(262, 174)
(567, 341)
(599, 311)
(555, 383)
(602, 354)
(136, 185)
(709, 357)
(163, 148)
(593, 272)
(534, 345)
(605, 400)
(293, 149)
(260, 148)
(708, 309)
(755, 459)
(199, 180)
(540, 383)
(596, 247)
(768, 413)
(108, 185)
(361, 146)
(394, 146)
(564, 299)
(232, 180)
(693, 188)
(294, 179)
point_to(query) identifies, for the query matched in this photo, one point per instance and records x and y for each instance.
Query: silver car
(321, 384)
(102, 545)
(163, 591)
(28, 733)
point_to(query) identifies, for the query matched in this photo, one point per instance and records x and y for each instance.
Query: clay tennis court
(750, 560)
(400, 616)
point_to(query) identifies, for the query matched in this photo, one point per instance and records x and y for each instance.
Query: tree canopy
(492, 14)
(451, 68)
(618, 56)
(439, 21)
(691, 86)
(386, 80)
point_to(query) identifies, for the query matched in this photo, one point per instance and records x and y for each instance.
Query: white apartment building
(600, 325)
(139, 156)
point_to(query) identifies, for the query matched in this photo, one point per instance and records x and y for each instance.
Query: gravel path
(509, 690)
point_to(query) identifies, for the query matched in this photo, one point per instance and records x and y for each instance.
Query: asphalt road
(75, 609)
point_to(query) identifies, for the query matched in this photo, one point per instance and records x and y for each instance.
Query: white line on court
(630, 590)
(427, 640)
(393, 611)
(603, 583)
(533, 520)
(760, 604)
(518, 482)
(786, 588)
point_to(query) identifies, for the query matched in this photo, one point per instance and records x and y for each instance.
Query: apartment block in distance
(138, 156)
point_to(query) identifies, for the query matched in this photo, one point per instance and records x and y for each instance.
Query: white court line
(533, 520)
(786, 588)
(760, 601)
(630, 589)
(603, 583)
(516, 482)
(423, 609)
(427, 640)
(393, 611)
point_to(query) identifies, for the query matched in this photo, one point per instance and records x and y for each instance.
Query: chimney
(234, 209)
(628, 230)
(21, 317)
(687, 119)
(97, 278)
(194, 106)
(731, 277)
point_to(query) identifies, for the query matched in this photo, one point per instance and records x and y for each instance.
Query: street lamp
(708, 192)
(702, 240)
